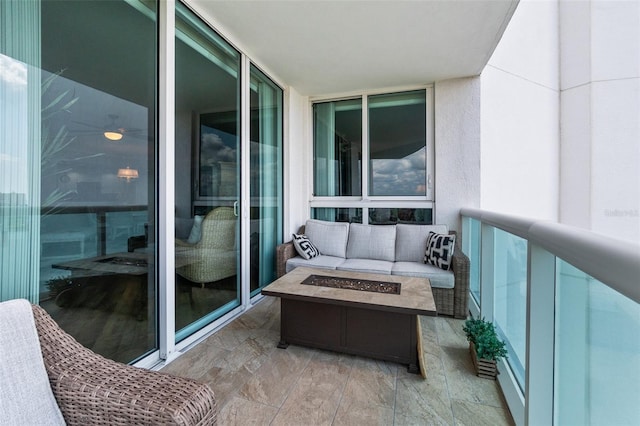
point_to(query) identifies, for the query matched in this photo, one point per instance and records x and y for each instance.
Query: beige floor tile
(315, 397)
(358, 414)
(470, 414)
(257, 383)
(240, 412)
(197, 362)
(423, 401)
(273, 381)
(463, 382)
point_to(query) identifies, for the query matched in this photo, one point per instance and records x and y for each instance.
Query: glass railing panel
(597, 352)
(472, 249)
(510, 297)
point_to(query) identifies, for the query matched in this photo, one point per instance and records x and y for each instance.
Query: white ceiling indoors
(326, 47)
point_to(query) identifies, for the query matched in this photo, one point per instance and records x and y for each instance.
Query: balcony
(257, 383)
(565, 300)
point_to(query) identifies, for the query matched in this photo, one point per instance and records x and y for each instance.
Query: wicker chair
(449, 301)
(214, 256)
(92, 390)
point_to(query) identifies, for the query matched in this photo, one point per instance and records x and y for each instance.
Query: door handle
(235, 208)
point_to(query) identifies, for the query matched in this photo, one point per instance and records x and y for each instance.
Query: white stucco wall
(600, 98)
(519, 116)
(457, 149)
(298, 162)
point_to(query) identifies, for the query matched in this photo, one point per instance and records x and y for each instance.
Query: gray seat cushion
(322, 261)
(411, 241)
(439, 278)
(366, 265)
(330, 238)
(377, 242)
(25, 394)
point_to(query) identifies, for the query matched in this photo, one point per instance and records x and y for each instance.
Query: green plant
(482, 334)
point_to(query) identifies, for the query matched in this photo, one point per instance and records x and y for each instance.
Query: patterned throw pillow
(305, 247)
(439, 250)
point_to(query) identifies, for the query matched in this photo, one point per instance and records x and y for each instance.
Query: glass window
(387, 216)
(397, 144)
(337, 138)
(395, 163)
(334, 214)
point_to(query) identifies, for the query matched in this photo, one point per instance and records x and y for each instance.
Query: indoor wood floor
(258, 384)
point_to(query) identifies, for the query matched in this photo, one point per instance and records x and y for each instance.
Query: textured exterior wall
(520, 110)
(600, 120)
(457, 148)
(298, 162)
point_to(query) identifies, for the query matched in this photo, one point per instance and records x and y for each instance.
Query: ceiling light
(127, 173)
(112, 135)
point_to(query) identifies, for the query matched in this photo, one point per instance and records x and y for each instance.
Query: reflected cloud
(12, 71)
(404, 176)
(214, 150)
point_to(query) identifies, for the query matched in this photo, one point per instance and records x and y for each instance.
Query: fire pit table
(351, 312)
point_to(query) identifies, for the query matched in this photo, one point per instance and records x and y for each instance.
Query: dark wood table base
(379, 334)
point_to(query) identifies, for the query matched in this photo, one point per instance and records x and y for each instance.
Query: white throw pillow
(305, 247)
(196, 230)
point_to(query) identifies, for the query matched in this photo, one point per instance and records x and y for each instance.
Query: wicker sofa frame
(93, 390)
(449, 301)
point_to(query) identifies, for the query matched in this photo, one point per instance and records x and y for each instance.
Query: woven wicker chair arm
(285, 252)
(91, 389)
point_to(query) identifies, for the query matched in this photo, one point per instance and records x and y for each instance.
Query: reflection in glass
(597, 352)
(388, 216)
(397, 144)
(265, 226)
(337, 139)
(88, 212)
(337, 214)
(510, 297)
(207, 178)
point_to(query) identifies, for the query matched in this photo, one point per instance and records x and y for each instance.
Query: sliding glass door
(207, 187)
(79, 178)
(265, 178)
(77, 153)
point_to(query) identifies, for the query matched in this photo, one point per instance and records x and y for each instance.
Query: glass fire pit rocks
(353, 284)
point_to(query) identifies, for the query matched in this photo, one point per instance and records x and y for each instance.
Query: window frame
(367, 201)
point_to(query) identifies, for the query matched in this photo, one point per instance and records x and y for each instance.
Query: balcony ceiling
(329, 47)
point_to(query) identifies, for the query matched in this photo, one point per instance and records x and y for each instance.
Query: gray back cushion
(25, 394)
(330, 238)
(376, 242)
(411, 241)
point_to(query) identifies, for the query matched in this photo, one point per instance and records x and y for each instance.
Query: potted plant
(485, 346)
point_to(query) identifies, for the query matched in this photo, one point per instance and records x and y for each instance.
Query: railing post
(540, 336)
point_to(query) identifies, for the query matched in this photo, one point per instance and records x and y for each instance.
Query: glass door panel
(265, 179)
(207, 182)
(97, 173)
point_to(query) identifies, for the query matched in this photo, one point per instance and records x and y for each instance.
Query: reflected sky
(402, 176)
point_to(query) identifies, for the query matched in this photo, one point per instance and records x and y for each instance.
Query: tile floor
(258, 384)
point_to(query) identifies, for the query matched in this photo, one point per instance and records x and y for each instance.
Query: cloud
(404, 176)
(214, 150)
(12, 72)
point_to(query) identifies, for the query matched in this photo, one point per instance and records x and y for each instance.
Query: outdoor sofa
(47, 377)
(383, 249)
